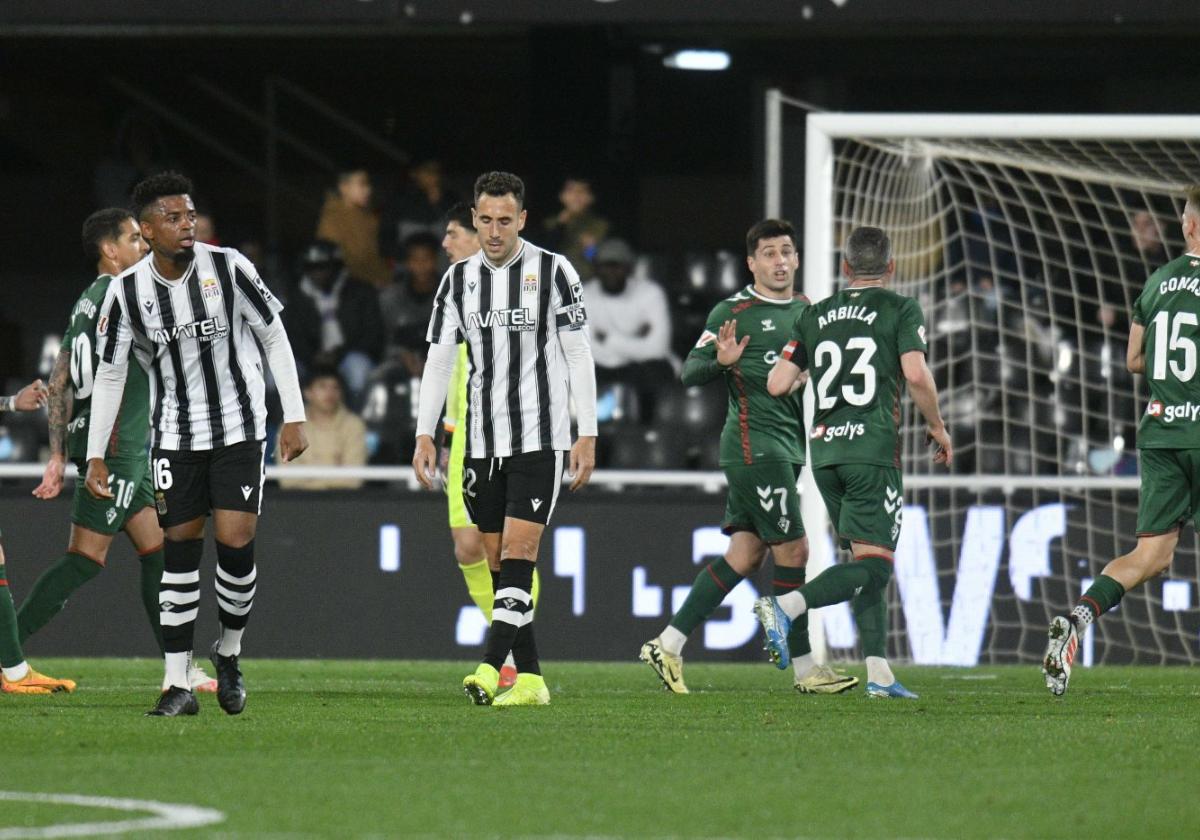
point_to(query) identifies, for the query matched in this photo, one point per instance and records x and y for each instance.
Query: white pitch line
(166, 816)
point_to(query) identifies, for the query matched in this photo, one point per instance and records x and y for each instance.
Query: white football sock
(878, 671)
(231, 641)
(509, 662)
(1081, 616)
(793, 604)
(801, 665)
(177, 669)
(16, 672)
(672, 640)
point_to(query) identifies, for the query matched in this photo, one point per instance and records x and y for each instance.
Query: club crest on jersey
(209, 288)
(529, 284)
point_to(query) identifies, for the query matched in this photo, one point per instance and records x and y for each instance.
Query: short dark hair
(422, 239)
(101, 226)
(461, 213)
(323, 370)
(158, 186)
(868, 251)
(768, 229)
(498, 184)
(1193, 199)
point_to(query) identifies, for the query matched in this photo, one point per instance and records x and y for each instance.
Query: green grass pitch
(393, 749)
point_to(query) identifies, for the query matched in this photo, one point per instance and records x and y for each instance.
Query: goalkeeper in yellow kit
(460, 242)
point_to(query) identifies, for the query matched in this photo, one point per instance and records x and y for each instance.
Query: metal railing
(705, 481)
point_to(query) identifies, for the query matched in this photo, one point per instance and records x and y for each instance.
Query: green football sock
(712, 585)
(870, 615)
(152, 572)
(51, 591)
(1104, 594)
(834, 585)
(788, 579)
(10, 646)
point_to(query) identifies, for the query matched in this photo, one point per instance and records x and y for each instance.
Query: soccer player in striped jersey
(111, 238)
(461, 241)
(16, 677)
(860, 345)
(519, 309)
(194, 315)
(1162, 347)
(762, 451)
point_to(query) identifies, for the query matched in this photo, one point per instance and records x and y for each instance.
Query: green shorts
(865, 502)
(1170, 491)
(132, 489)
(459, 518)
(763, 499)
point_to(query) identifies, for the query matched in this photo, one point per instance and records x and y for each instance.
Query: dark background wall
(545, 89)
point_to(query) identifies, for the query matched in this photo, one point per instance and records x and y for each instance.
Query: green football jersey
(1169, 309)
(131, 433)
(758, 427)
(851, 344)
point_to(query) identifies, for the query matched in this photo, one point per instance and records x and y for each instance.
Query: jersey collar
(765, 299)
(517, 254)
(191, 269)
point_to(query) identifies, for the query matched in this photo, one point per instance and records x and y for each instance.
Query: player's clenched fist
(97, 479)
(292, 441)
(425, 461)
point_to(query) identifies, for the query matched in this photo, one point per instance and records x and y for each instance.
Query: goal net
(1026, 240)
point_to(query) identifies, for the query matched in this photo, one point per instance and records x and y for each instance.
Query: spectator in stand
(576, 230)
(1148, 240)
(337, 437)
(348, 220)
(630, 325)
(408, 303)
(333, 320)
(418, 209)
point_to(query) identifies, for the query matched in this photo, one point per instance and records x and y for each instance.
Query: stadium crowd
(1031, 366)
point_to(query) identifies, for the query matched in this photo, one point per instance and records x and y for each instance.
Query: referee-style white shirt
(510, 317)
(195, 338)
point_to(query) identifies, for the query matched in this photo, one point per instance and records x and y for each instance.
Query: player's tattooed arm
(60, 402)
(58, 406)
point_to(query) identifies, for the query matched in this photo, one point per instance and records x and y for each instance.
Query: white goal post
(1026, 238)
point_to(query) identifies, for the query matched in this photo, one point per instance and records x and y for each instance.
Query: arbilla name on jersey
(847, 313)
(1188, 411)
(848, 431)
(513, 319)
(206, 330)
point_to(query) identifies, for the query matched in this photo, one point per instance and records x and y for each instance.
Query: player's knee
(468, 549)
(879, 568)
(519, 549)
(794, 554)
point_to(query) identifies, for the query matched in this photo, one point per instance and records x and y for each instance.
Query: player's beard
(184, 256)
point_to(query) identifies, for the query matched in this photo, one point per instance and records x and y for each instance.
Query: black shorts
(522, 486)
(192, 484)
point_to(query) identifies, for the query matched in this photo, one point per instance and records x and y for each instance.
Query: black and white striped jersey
(510, 318)
(195, 338)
